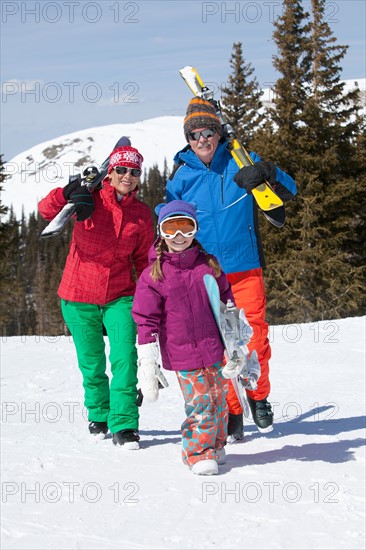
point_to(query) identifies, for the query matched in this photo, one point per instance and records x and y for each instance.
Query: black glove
(81, 197)
(249, 177)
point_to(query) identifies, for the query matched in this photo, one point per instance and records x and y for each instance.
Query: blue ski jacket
(227, 215)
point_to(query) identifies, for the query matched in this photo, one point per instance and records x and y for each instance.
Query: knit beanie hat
(175, 208)
(125, 156)
(201, 114)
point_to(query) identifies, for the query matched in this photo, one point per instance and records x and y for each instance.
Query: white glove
(235, 364)
(150, 375)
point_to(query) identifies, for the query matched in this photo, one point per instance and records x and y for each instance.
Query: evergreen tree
(53, 254)
(11, 289)
(315, 266)
(31, 272)
(279, 140)
(15, 298)
(282, 133)
(241, 102)
(152, 191)
(332, 135)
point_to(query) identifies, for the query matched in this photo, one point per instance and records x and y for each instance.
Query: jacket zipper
(251, 238)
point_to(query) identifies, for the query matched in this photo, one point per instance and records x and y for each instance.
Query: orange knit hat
(201, 114)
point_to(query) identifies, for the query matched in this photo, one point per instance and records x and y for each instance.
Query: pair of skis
(92, 177)
(267, 200)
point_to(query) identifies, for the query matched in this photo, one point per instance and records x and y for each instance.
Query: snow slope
(36, 171)
(300, 487)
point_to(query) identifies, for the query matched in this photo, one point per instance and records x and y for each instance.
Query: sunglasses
(170, 227)
(195, 136)
(122, 170)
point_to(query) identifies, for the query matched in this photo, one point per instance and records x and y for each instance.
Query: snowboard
(92, 177)
(267, 200)
(229, 334)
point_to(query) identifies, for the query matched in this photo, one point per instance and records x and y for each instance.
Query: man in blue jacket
(207, 176)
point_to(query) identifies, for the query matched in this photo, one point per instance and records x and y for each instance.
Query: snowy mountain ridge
(33, 173)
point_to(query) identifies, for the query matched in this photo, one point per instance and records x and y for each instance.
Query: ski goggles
(122, 170)
(170, 227)
(195, 136)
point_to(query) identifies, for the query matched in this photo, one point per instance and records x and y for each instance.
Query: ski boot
(262, 414)
(98, 429)
(129, 439)
(235, 428)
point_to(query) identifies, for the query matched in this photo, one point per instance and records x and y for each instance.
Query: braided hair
(156, 272)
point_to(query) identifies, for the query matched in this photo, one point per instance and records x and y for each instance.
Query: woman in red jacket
(108, 252)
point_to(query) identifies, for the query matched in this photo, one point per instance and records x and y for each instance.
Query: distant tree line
(313, 130)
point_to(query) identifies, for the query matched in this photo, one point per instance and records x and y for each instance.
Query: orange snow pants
(248, 290)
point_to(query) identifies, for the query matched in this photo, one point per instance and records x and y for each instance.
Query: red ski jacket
(108, 251)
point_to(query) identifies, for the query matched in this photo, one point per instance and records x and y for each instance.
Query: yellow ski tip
(266, 198)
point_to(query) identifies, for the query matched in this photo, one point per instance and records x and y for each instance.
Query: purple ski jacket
(177, 310)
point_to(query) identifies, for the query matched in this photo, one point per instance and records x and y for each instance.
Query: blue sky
(69, 65)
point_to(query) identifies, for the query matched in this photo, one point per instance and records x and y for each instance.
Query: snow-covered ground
(300, 487)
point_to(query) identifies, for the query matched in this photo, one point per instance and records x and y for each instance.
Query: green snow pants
(114, 403)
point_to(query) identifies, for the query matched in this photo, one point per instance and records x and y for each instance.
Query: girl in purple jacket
(174, 318)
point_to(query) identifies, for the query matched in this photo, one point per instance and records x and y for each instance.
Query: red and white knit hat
(125, 156)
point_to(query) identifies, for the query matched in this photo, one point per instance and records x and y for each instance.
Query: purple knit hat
(175, 208)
